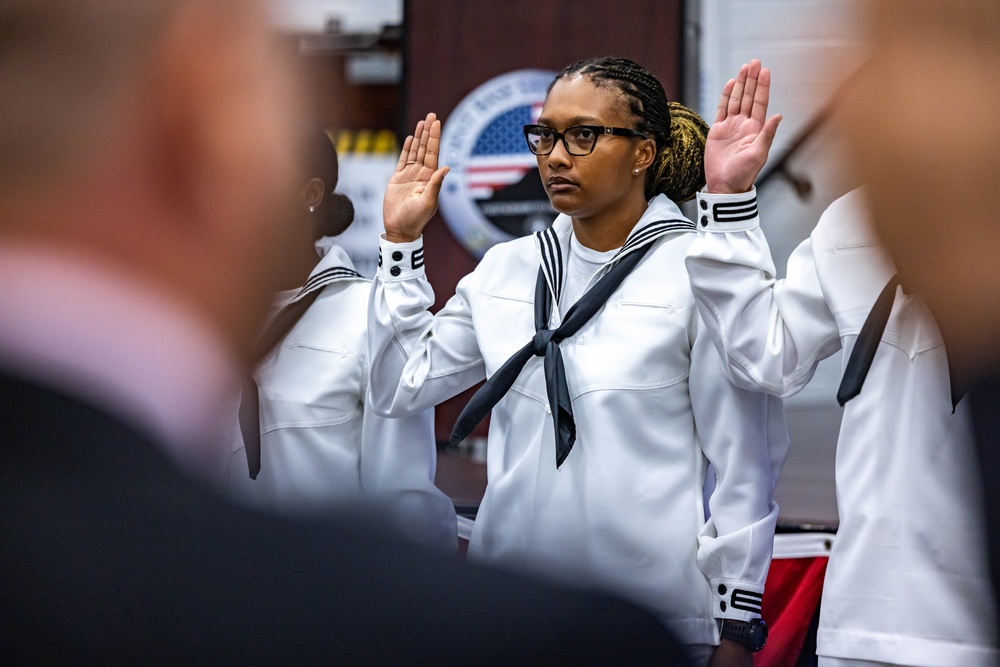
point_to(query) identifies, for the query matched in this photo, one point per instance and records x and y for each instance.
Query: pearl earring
(637, 170)
(312, 209)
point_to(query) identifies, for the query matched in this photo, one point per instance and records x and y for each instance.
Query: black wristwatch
(752, 634)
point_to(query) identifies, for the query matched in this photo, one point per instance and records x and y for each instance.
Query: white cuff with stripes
(727, 213)
(400, 261)
(737, 600)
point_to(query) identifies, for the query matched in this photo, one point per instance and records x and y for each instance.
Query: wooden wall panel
(331, 100)
(455, 45)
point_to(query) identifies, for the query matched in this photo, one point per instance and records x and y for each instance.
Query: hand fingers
(433, 145)
(762, 96)
(437, 178)
(724, 100)
(736, 97)
(411, 154)
(404, 155)
(766, 136)
(425, 138)
(753, 72)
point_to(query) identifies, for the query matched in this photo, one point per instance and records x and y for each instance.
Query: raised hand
(740, 138)
(411, 197)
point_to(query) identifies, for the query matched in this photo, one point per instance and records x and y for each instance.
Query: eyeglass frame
(599, 131)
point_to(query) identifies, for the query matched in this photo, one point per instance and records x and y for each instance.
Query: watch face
(758, 634)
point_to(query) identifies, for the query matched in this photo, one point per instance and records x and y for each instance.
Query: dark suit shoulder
(111, 555)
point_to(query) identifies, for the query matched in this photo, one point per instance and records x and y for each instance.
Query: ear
(312, 194)
(645, 152)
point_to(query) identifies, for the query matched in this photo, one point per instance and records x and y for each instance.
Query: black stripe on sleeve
(735, 211)
(745, 600)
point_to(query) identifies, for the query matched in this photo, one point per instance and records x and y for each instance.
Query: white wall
(811, 46)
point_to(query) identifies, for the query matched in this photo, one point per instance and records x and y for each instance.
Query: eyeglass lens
(578, 140)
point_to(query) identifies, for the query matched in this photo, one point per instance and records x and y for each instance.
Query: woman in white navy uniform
(320, 441)
(597, 454)
(907, 582)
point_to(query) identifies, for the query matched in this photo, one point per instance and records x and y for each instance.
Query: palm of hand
(409, 200)
(733, 157)
(740, 138)
(412, 194)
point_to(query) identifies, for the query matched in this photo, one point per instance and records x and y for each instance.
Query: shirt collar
(96, 331)
(662, 216)
(335, 265)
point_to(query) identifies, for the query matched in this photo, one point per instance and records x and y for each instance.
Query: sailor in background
(320, 443)
(907, 582)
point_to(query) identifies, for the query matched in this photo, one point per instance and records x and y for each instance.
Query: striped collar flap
(660, 219)
(335, 266)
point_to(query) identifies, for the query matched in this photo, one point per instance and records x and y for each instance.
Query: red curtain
(791, 597)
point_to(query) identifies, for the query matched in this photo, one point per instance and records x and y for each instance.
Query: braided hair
(678, 169)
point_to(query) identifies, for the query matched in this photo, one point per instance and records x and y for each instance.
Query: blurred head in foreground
(925, 133)
(146, 134)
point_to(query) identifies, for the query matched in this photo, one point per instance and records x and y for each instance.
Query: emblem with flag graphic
(493, 193)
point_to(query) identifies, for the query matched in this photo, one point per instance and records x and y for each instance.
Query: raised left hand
(740, 138)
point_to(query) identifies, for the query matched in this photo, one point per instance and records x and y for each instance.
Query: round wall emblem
(493, 192)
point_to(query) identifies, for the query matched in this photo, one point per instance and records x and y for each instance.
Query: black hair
(678, 169)
(317, 158)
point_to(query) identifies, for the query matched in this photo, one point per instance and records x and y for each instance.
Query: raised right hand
(741, 136)
(411, 197)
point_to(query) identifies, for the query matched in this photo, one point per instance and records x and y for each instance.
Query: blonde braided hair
(678, 170)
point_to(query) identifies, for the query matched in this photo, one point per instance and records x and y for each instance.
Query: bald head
(62, 66)
(150, 133)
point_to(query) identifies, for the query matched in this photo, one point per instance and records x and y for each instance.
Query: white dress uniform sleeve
(743, 435)
(772, 333)
(398, 461)
(417, 359)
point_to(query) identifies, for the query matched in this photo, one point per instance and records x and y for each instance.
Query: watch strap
(750, 634)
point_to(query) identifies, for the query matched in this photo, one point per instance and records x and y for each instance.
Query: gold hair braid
(678, 170)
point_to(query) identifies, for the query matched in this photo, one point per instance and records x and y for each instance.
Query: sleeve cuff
(736, 600)
(728, 213)
(400, 261)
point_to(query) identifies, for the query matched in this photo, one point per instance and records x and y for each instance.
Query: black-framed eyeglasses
(578, 140)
